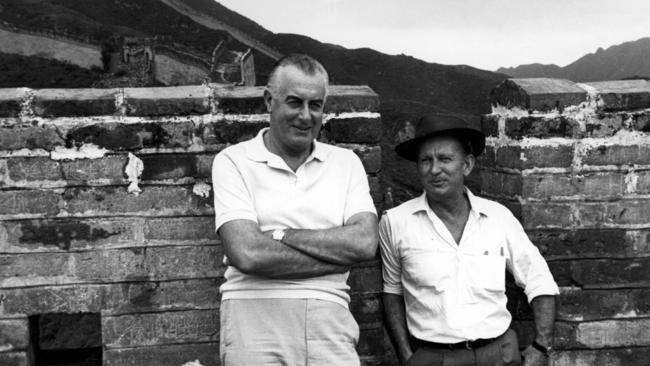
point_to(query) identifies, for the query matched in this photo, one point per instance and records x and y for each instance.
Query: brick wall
(74, 240)
(573, 162)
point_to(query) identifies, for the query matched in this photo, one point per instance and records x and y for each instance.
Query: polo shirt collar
(476, 204)
(257, 151)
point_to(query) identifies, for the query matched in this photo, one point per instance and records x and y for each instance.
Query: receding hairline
(304, 63)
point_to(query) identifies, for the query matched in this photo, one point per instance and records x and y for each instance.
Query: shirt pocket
(487, 272)
(429, 269)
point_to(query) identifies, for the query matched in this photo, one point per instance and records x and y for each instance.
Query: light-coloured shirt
(254, 184)
(456, 292)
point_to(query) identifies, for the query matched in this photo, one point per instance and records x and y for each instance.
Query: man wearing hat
(445, 254)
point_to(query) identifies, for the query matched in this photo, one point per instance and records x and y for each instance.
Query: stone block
(623, 94)
(603, 334)
(541, 127)
(366, 279)
(642, 182)
(534, 156)
(604, 185)
(590, 243)
(198, 229)
(11, 101)
(547, 215)
(113, 299)
(604, 125)
(640, 122)
(351, 98)
(74, 102)
(617, 155)
(66, 234)
(14, 334)
(24, 202)
(18, 137)
(25, 270)
(490, 125)
(353, 130)
(230, 132)
(501, 184)
(167, 101)
(107, 170)
(149, 329)
(371, 341)
(33, 169)
(575, 304)
(168, 166)
(207, 354)
(611, 273)
(367, 308)
(637, 356)
(119, 136)
(614, 214)
(154, 200)
(540, 94)
(238, 100)
(69, 331)
(14, 359)
(204, 166)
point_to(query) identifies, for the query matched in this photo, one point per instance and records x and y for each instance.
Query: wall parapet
(572, 161)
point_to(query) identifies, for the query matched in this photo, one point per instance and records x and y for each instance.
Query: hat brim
(409, 148)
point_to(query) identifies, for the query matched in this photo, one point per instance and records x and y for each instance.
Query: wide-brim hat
(441, 124)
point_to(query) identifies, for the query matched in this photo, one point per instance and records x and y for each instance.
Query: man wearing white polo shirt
(293, 215)
(445, 256)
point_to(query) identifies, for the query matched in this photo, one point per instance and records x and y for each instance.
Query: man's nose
(304, 112)
(435, 167)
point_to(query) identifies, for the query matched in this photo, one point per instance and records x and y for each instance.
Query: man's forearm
(544, 313)
(354, 242)
(395, 318)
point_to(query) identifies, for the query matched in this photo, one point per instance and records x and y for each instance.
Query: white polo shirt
(456, 292)
(252, 183)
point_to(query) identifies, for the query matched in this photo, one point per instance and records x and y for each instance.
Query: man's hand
(534, 357)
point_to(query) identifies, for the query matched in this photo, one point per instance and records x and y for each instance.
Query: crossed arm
(302, 253)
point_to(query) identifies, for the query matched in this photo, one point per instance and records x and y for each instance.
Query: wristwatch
(278, 235)
(544, 349)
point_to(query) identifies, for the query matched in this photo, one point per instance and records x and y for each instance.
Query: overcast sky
(483, 33)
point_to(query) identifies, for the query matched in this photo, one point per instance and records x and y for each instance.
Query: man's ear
(267, 100)
(470, 161)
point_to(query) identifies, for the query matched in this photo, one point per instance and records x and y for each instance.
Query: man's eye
(316, 106)
(294, 103)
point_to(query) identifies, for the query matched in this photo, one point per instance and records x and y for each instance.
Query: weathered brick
(353, 130)
(376, 192)
(561, 271)
(547, 214)
(74, 102)
(526, 157)
(11, 100)
(133, 264)
(66, 234)
(160, 328)
(490, 125)
(623, 94)
(488, 158)
(154, 200)
(14, 334)
(604, 125)
(29, 202)
(371, 341)
(14, 359)
(180, 229)
(31, 169)
(167, 101)
(128, 297)
(642, 182)
(119, 136)
(229, 132)
(617, 155)
(637, 356)
(611, 273)
(370, 156)
(366, 279)
(590, 243)
(207, 354)
(18, 137)
(603, 334)
(107, 170)
(641, 122)
(592, 185)
(541, 127)
(204, 165)
(540, 94)
(366, 308)
(575, 304)
(239, 100)
(351, 98)
(168, 166)
(501, 184)
(612, 214)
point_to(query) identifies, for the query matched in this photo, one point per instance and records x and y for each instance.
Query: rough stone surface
(623, 94)
(14, 359)
(207, 354)
(29, 137)
(14, 334)
(354, 130)
(74, 102)
(540, 94)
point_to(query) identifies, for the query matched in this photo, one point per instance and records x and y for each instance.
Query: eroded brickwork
(72, 239)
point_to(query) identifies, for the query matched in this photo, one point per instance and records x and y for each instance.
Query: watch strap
(545, 350)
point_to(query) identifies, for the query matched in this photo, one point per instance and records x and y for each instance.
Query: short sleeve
(358, 194)
(391, 266)
(232, 200)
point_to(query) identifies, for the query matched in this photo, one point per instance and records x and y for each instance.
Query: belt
(455, 346)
